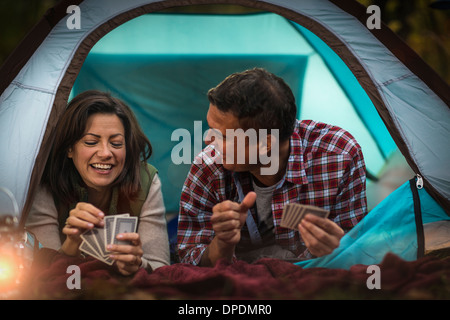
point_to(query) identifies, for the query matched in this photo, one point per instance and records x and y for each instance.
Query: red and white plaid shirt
(325, 169)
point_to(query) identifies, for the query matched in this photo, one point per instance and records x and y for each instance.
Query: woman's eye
(117, 144)
(90, 143)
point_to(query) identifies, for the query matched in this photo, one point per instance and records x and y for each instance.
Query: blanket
(425, 278)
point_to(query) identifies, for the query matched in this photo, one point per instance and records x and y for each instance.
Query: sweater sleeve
(153, 229)
(42, 219)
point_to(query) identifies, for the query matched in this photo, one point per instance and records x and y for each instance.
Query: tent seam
(390, 81)
(24, 86)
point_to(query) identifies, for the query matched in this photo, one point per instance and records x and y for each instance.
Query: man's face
(236, 151)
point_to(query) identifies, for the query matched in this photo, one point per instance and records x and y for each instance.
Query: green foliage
(17, 18)
(424, 29)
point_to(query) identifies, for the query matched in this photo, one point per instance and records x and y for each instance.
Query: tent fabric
(404, 94)
(177, 74)
(360, 101)
(390, 228)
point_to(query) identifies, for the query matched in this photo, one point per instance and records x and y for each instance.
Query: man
(232, 200)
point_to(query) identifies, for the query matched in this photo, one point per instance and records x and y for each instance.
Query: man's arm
(198, 197)
(351, 202)
(216, 251)
(227, 221)
(322, 236)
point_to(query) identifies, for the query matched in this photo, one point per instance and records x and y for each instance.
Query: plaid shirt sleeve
(351, 204)
(327, 170)
(336, 173)
(199, 194)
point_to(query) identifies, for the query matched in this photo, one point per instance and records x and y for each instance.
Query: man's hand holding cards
(97, 240)
(320, 235)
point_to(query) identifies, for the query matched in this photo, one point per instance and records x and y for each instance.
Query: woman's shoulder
(43, 193)
(43, 204)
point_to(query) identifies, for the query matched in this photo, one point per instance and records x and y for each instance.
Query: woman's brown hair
(60, 174)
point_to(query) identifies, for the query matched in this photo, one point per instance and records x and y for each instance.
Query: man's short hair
(259, 99)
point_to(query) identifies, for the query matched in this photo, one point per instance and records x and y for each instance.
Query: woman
(97, 167)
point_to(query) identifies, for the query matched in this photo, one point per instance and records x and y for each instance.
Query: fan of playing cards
(293, 214)
(96, 240)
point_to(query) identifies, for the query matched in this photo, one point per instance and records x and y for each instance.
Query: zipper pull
(419, 182)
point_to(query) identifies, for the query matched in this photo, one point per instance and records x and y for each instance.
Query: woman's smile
(102, 168)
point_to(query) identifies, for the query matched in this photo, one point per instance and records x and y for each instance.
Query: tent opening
(162, 65)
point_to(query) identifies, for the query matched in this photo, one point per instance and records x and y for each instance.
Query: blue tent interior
(164, 76)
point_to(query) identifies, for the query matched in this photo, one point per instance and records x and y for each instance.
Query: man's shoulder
(324, 137)
(207, 166)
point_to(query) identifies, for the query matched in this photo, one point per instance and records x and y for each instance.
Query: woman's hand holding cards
(128, 257)
(116, 241)
(83, 217)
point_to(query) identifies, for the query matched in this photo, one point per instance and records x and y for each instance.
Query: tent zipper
(418, 214)
(419, 182)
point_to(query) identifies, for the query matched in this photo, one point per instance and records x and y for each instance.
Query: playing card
(297, 216)
(110, 226)
(99, 237)
(95, 240)
(316, 211)
(293, 214)
(89, 237)
(124, 225)
(86, 248)
(287, 215)
(286, 218)
(284, 215)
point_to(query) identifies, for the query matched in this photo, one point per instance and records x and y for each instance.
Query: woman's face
(99, 155)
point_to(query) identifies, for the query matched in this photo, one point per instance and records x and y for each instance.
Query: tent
(162, 63)
(178, 74)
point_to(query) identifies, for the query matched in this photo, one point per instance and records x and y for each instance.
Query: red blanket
(426, 278)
